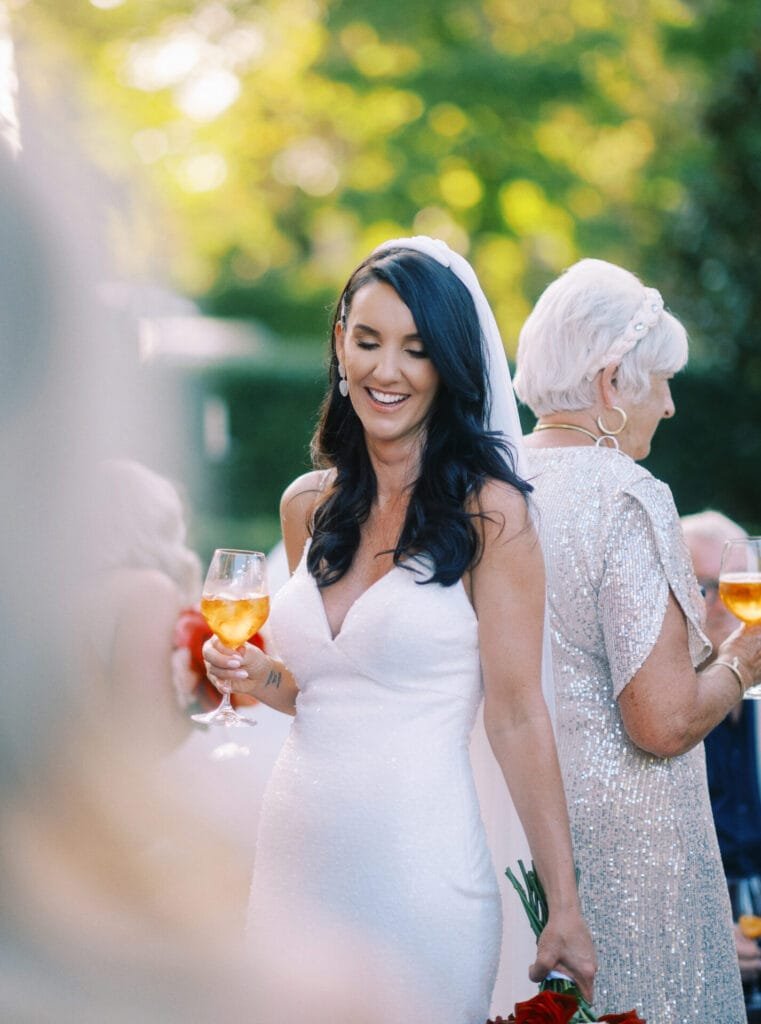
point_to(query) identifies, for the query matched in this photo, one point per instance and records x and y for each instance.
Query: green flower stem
(534, 900)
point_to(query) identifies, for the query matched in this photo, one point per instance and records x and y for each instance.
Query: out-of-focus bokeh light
(200, 59)
(500, 262)
(448, 120)
(202, 172)
(373, 58)
(106, 5)
(370, 171)
(460, 187)
(433, 220)
(526, 209)
(591, 13)
(310, 164)
(333, 231)
(150, 144)
(154, 64)
(204, 97)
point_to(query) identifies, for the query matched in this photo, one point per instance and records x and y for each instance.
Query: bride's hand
(566, 946)
(233, 670)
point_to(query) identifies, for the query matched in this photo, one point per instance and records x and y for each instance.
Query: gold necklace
(566, 426)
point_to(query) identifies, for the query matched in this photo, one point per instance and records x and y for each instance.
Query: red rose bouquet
(558, 1008)
(559, 1000)
(194, 690)
(545, 1008)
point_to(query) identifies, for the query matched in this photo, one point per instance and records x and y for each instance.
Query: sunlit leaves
(460, 187)
(374, 58)
(281, 139)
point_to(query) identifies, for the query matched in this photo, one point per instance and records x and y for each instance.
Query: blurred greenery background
(255, 151)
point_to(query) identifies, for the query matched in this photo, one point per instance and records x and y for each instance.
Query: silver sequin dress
(652, 885)
(372, 877)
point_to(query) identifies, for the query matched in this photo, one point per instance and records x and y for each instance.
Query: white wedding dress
(373, 883)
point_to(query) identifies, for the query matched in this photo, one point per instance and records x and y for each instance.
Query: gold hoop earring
(613, 433)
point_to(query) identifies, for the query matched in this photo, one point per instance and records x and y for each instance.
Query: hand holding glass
(235, 603)
(740, 585)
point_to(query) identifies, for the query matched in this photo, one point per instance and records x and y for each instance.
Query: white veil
(507, 840)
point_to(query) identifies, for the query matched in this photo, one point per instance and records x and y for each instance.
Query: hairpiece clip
(645, 317)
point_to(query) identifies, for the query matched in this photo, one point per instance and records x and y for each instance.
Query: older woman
(594, 362)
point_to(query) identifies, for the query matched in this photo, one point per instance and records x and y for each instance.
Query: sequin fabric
(372, 873)
(652, 885)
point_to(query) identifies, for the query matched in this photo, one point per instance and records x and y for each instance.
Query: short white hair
(139, 523)
(711, 525)
(574, 325)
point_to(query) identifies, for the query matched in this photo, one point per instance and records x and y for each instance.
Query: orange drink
(741, 593)
(235, 619)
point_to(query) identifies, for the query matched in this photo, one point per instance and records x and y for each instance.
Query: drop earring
(343, 384)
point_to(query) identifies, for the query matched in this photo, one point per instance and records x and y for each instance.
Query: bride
(417, 589)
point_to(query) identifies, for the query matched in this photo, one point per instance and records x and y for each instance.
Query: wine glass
(235, 603)
(740, 585)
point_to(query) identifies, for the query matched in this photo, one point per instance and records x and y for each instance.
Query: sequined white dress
(652, 884)
(372, 869)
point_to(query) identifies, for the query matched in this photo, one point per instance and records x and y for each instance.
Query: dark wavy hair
(459, 453)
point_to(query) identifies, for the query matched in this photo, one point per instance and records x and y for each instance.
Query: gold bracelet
(734, 667)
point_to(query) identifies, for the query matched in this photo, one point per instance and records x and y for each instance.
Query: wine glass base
(226, 716)
(228, 751)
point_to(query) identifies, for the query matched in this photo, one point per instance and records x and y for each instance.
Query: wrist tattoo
(273, 678)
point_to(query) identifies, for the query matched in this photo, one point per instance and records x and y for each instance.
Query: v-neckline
(358, 600)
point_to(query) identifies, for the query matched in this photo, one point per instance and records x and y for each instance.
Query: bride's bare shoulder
(306, 490)
(300, 498)
(500, 504)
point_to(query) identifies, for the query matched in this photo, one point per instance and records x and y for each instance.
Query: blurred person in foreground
(594, 362)
(411, 547)
(733, 757)
(113, 908)
(143, 576)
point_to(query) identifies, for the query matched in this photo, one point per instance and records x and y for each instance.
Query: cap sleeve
(646, 557)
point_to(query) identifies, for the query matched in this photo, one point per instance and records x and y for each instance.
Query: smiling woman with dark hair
(458, 454)
(417, 588)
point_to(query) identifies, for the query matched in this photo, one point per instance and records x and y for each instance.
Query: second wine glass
(740, 586)
(235, 603)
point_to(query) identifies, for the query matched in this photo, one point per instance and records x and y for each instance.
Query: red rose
(544, 1008)
(192, 631)
(623, 1018)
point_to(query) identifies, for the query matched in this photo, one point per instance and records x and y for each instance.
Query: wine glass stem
(226, 704)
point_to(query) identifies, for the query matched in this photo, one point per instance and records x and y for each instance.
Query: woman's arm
(249, 670)
(508, 590)
(667, 707)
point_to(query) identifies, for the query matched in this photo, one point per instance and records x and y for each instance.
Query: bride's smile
(392, 381)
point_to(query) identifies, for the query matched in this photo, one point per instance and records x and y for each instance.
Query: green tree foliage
(269, 145)
(282, 139)
(709, 259)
